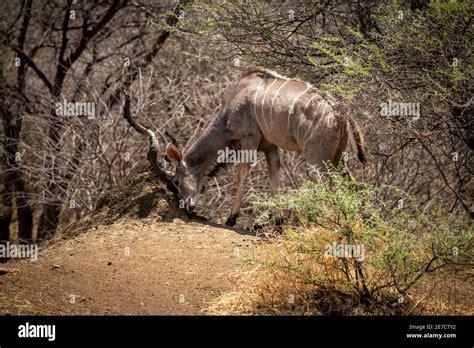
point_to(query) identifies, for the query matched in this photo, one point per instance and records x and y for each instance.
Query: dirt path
(128, 267)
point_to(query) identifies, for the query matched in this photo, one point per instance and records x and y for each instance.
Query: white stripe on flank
(317, 124)
(312, 123)
(292, 107)
(309, 101)
(304, 110)
(263, 100)
(273, 99)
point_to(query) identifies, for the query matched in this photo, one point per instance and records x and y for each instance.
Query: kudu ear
(173, 154)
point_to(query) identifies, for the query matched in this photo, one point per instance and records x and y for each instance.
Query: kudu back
(265, 112)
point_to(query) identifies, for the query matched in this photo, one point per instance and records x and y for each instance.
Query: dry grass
(18, 305)
(448, 292)
(270, 289)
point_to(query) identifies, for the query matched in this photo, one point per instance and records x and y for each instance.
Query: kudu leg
(243, 169)
(273, 161)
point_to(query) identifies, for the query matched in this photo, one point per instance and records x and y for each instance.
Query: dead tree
(52, 49)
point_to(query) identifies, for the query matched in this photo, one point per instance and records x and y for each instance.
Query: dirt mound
(141, 195)
(130, 267)
(137, 253)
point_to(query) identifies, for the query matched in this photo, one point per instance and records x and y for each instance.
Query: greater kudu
(266, 111)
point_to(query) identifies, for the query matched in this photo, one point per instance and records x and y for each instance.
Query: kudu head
(187, 179)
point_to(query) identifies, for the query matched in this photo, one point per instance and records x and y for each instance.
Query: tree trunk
(13, 182)
(49, 221)
(51, 210)
(5, 212)
(5, 219)
(25, 221)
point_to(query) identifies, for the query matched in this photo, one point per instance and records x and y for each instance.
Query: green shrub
(371, 243)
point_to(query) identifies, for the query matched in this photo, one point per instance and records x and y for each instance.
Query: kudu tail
(358, 138)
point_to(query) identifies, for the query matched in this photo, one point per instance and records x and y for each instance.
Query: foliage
(352, 239)
(369, 53)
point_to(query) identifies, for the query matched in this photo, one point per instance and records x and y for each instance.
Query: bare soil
(137, 254)
(172, 268)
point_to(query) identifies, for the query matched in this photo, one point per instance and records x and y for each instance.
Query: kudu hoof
(232, 220)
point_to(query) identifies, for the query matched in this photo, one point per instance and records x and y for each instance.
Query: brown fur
(267, 112)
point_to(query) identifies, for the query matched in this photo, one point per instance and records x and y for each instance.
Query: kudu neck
(203, 153)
